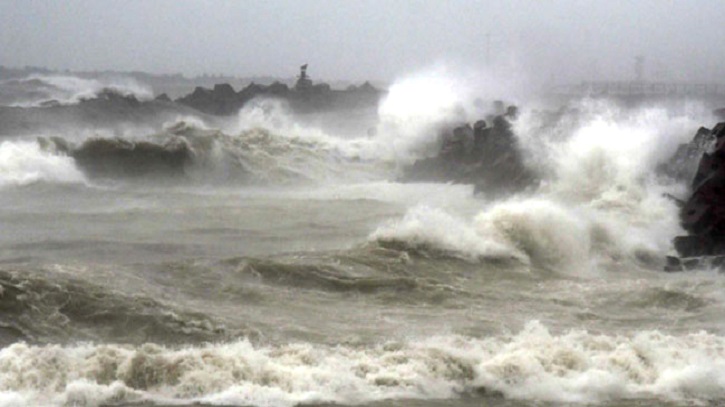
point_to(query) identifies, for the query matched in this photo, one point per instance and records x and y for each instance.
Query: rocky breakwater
(223, 100)
(486, 156)
(108, 109)
(703, 214)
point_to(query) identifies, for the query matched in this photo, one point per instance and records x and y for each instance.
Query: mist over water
(283, 263)
(37, 90)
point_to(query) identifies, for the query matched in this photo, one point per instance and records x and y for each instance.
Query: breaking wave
(434, 231)
(23, 163)
(535, 364)
(415, 109)
(601, 203)
(196, 153)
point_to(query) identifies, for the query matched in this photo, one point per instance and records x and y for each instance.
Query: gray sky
(369, 39)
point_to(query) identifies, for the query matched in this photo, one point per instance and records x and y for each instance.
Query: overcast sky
(563, 41)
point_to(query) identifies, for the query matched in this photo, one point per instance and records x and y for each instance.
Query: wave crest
(23, 163)
(433, 230)
(535, 364)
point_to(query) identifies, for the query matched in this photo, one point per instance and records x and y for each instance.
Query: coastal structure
(304, 96)
(304, 83)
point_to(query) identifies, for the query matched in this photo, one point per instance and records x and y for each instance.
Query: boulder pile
(484, 155)
(703, 214)
(224, 100)
(304, 97)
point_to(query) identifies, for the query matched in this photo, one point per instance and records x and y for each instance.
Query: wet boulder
(305, 97)
(685, 163)
(223, 91)
(278, 89)
(163, 98)
(222, 100)
(487, 157)
(703, 214)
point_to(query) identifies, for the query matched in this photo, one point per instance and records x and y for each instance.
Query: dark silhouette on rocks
(305, 96)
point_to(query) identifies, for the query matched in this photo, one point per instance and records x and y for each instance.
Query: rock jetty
(484, 154)
(703, 214)
(304, 97)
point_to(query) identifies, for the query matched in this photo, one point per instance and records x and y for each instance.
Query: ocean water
(288, 266)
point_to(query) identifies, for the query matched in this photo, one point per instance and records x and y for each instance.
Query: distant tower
(303, 81)
(639, 68)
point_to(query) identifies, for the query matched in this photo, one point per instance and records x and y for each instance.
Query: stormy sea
(155, 255)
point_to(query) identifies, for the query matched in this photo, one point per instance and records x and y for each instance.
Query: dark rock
(110, 110)
(693, 246)
(703, 214)
(223, 91)
(487, 157)
(707, 164)
(200, 92)
(222, 100)
(163, 98)
(306, 96)
(251, 90)
(685, 165)
(457, 144)
(321, 88)
(368, 88)
(674, 264)
(697, 216)
(481, 136)
(278, 89)
(719, 130)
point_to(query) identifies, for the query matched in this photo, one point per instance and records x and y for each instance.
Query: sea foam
(600, 201)
(534, 364)
(24, 162)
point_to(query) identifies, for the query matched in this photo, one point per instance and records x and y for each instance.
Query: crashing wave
(23, 163)
(534, 364)
(600, 203)
(184, 150)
